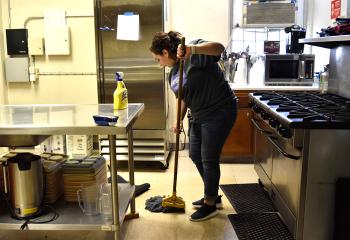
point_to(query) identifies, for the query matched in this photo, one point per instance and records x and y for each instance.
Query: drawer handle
(259, 128)
(279, 149)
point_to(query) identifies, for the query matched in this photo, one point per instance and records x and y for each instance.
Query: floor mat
(248, 198)
(259, 226)
(139, 189)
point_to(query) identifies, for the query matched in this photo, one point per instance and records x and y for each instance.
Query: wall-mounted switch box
(16, 69)
(36, 46)
(57, 40)
(17, 41)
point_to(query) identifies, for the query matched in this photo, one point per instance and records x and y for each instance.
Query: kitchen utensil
(295, 33)
(103, 120)
(105, 201)
(88, 199)
(25, 184)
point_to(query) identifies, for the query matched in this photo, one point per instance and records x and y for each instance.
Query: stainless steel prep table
(18, 122)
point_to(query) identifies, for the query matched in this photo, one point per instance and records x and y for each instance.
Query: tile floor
(159, 225)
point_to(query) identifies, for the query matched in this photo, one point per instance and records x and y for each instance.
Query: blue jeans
(207, 137)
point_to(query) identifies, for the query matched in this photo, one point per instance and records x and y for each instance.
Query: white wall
(68, 79)
(204, 19)
(3, 89)
(318, 16)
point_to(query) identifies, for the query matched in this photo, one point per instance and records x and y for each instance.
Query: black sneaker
(203, 213)
(199, 203)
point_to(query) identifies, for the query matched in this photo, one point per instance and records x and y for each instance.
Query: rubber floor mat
(248, 198)
(139, 189)
(259, 226)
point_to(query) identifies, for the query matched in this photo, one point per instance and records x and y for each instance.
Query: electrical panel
(36, 46)
(16, 69)
(17, 41)
(57, 40)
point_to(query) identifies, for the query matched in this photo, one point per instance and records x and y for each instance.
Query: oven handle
(302, 70)
(259, 128)
(279, 149)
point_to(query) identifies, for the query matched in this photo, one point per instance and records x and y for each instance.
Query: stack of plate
(79, 173)
(52, 164)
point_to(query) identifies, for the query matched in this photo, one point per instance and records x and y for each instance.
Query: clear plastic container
(324, 77)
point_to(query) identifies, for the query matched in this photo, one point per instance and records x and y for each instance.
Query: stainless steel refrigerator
(143, 77)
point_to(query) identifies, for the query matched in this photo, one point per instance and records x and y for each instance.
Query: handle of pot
(81, 205)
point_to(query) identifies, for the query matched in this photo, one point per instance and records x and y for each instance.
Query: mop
(173, 203)
(176, 203)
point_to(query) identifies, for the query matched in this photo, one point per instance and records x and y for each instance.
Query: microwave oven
(289, 69)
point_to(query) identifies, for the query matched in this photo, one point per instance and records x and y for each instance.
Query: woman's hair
(168, 41)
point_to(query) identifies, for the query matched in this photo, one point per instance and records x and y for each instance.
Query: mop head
(174, 202)
(155, 204)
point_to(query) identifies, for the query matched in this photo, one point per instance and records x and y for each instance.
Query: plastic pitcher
(106, 201)
(88, 199)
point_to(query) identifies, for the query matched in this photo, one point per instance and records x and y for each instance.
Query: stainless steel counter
(18, 122)
(64, 119)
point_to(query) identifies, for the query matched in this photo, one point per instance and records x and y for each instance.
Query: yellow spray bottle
(120, 95)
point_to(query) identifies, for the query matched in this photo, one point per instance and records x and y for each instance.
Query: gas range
(302, 110)
(300, 153)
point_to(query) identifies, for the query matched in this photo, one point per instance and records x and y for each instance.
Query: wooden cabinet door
(239, 144)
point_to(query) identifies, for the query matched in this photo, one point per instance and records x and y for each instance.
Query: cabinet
(239, 144)
(29, 124)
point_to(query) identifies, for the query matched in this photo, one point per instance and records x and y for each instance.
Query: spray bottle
(120, 95)
(324, 77)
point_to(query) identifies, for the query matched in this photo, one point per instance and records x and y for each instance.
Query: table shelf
(21, 121)
(71, 217)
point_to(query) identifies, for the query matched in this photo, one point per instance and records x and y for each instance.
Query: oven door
(262, 153)
(286, 174)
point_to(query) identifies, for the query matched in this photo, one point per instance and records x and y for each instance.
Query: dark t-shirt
(205, 88)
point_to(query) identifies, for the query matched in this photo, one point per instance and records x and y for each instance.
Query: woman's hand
(183, 53)
(175, 130)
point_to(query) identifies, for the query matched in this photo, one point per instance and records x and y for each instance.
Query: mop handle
(178, 116)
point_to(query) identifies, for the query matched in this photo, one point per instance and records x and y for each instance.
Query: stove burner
(308, 108)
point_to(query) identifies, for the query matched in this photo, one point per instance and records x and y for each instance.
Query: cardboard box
(79, 146)
(53, 144)
(58, 144)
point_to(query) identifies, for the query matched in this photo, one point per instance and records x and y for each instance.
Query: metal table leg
(133, 213)
(114, 185)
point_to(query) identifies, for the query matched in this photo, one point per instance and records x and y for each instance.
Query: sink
(21, 140)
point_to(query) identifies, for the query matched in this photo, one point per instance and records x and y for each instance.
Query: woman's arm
(206, 48)
(183, 110)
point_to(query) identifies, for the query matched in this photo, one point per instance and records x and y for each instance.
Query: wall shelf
(327, 42)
